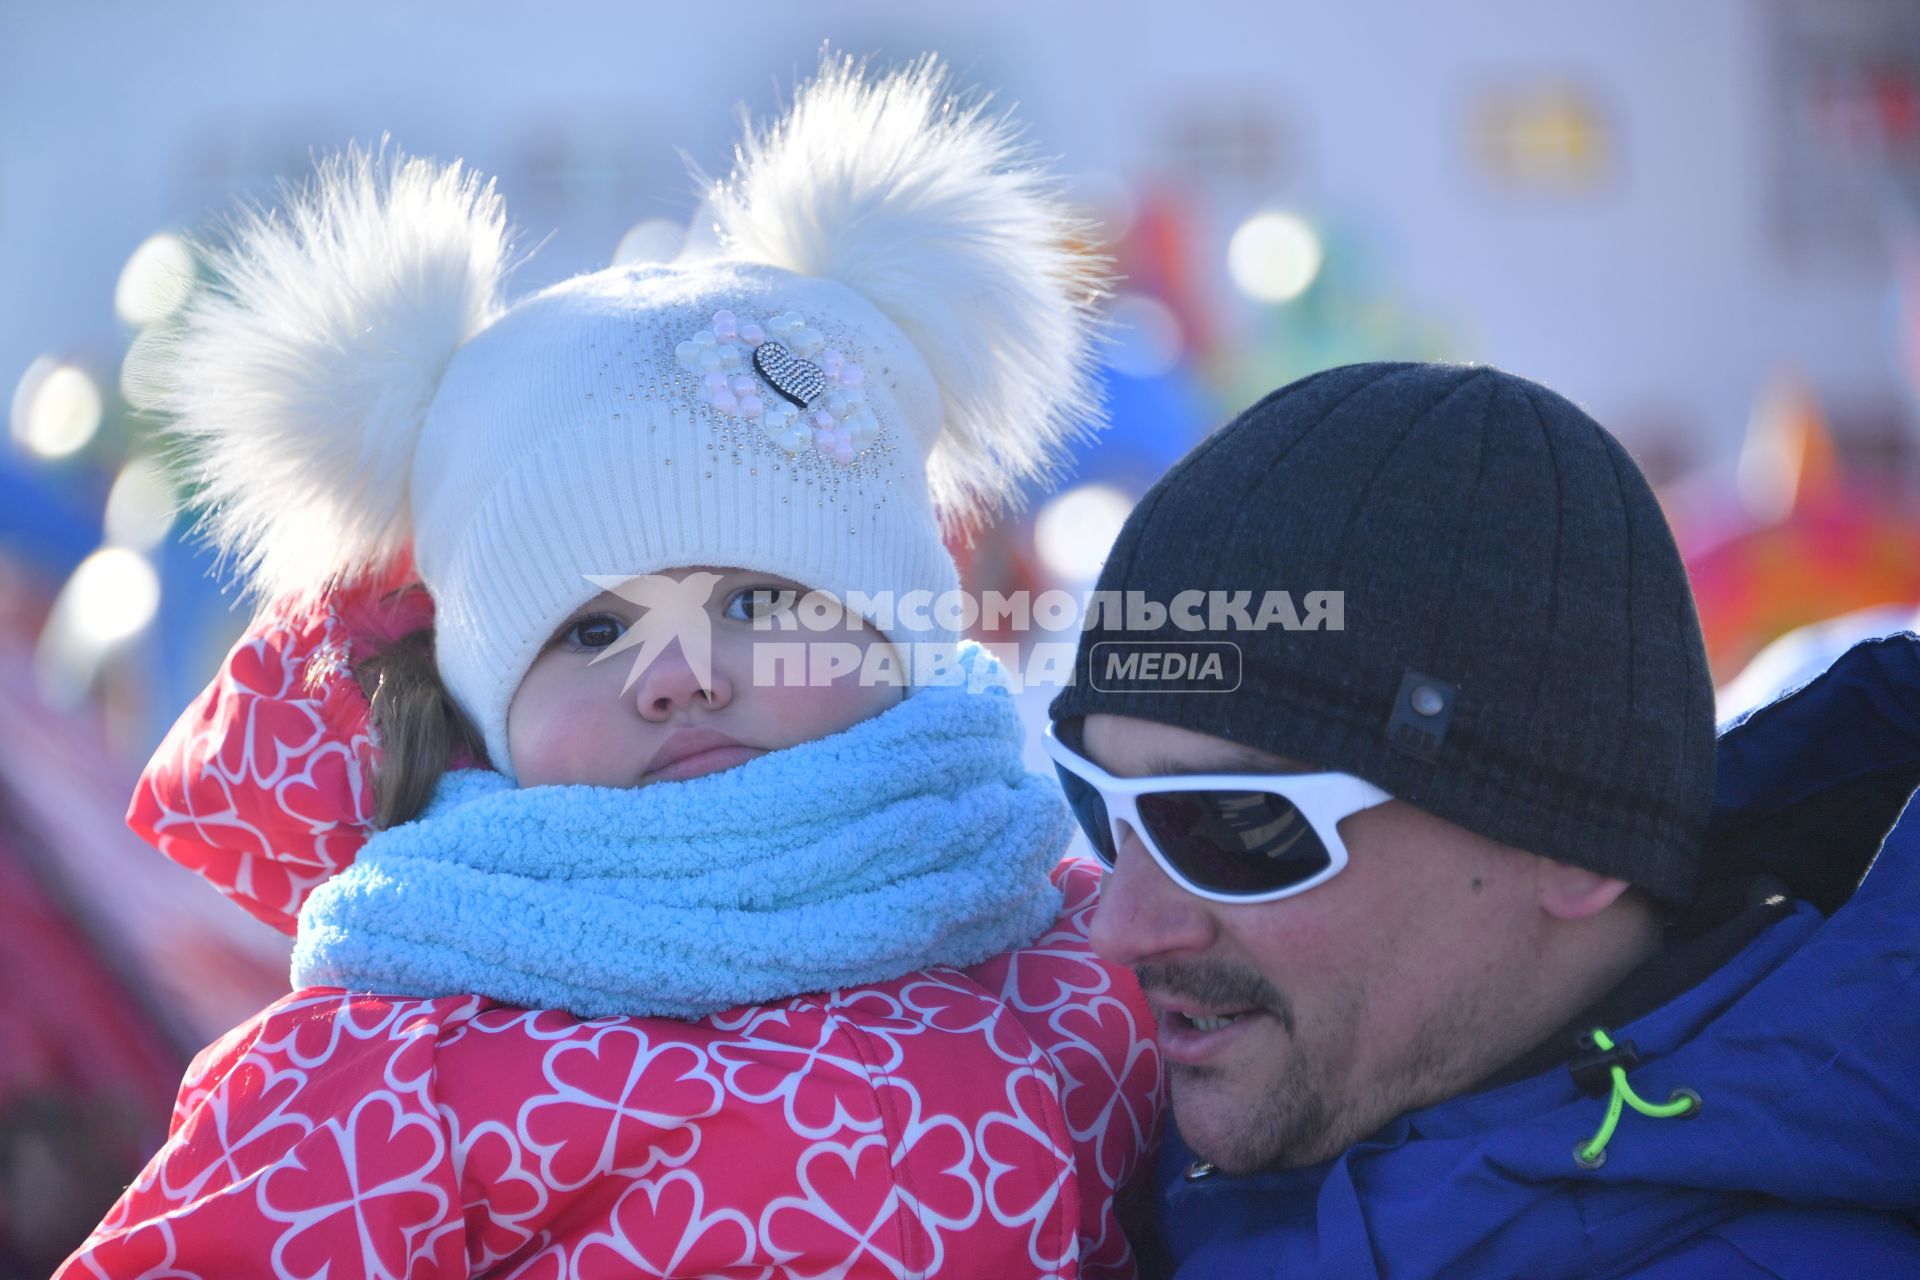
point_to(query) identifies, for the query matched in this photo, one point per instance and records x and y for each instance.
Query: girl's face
(604, 723)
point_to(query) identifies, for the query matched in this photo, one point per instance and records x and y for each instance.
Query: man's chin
(1217, 1123)
(1242, 1122)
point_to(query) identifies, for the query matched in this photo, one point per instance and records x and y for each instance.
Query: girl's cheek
(806, 710)
(845, 701)
(550, 733)
(537, 759)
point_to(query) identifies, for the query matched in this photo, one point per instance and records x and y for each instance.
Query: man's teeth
(1212, 1024)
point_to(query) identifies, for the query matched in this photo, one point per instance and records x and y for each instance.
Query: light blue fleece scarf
(914, 839)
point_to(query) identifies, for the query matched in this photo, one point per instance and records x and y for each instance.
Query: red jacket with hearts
(982, 1122)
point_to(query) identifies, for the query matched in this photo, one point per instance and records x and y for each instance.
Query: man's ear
(1567, 892)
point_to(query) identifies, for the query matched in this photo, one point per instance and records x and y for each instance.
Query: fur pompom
(297, 380)
(936, 213)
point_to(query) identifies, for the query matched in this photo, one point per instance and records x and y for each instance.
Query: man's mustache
(1217, 986)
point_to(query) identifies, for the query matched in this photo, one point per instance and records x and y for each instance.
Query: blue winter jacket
(1804, 1047)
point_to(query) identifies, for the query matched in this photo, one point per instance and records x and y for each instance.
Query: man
(1463, 966)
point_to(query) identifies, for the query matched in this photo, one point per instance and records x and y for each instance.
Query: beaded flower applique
(783, 375)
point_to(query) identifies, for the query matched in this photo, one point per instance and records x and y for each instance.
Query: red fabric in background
(66, 1020)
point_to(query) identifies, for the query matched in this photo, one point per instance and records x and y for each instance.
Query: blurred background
(1700, 221)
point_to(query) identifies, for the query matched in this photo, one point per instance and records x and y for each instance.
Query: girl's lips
(711, 760)
(687, 746)
(1183, 1042)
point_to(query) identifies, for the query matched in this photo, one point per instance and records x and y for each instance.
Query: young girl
(726, 966)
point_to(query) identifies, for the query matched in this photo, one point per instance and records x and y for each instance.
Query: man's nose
(669, 686)
(1142, 914)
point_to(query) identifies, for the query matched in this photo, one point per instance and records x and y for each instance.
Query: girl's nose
(670, 686)
(1143, 916)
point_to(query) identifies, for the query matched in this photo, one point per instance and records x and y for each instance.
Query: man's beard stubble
(1292, 1117)
(1304, 1119)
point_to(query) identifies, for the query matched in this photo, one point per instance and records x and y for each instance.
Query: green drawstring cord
(1683, 1102)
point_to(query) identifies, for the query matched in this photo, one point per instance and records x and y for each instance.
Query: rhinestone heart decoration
(818, 399)
(798, 380)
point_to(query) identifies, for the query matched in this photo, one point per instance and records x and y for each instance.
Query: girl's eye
(750, 603)
(595, 631)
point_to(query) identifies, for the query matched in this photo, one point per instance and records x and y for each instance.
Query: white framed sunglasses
(1225, 837)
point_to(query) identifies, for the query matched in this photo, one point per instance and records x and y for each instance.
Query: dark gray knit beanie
(1517, 650)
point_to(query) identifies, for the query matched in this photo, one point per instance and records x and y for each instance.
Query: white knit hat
(892, 328)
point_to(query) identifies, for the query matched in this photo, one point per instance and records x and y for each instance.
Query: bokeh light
(112, 595)
(1073, 533)
(1274, 256)
(142, 369)
(654, 240)
(56, 409)
(156, 281)
(1147, 339)
(140, 506)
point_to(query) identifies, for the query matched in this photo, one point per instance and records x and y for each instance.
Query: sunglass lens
(1239, 842)
(1090, 811)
